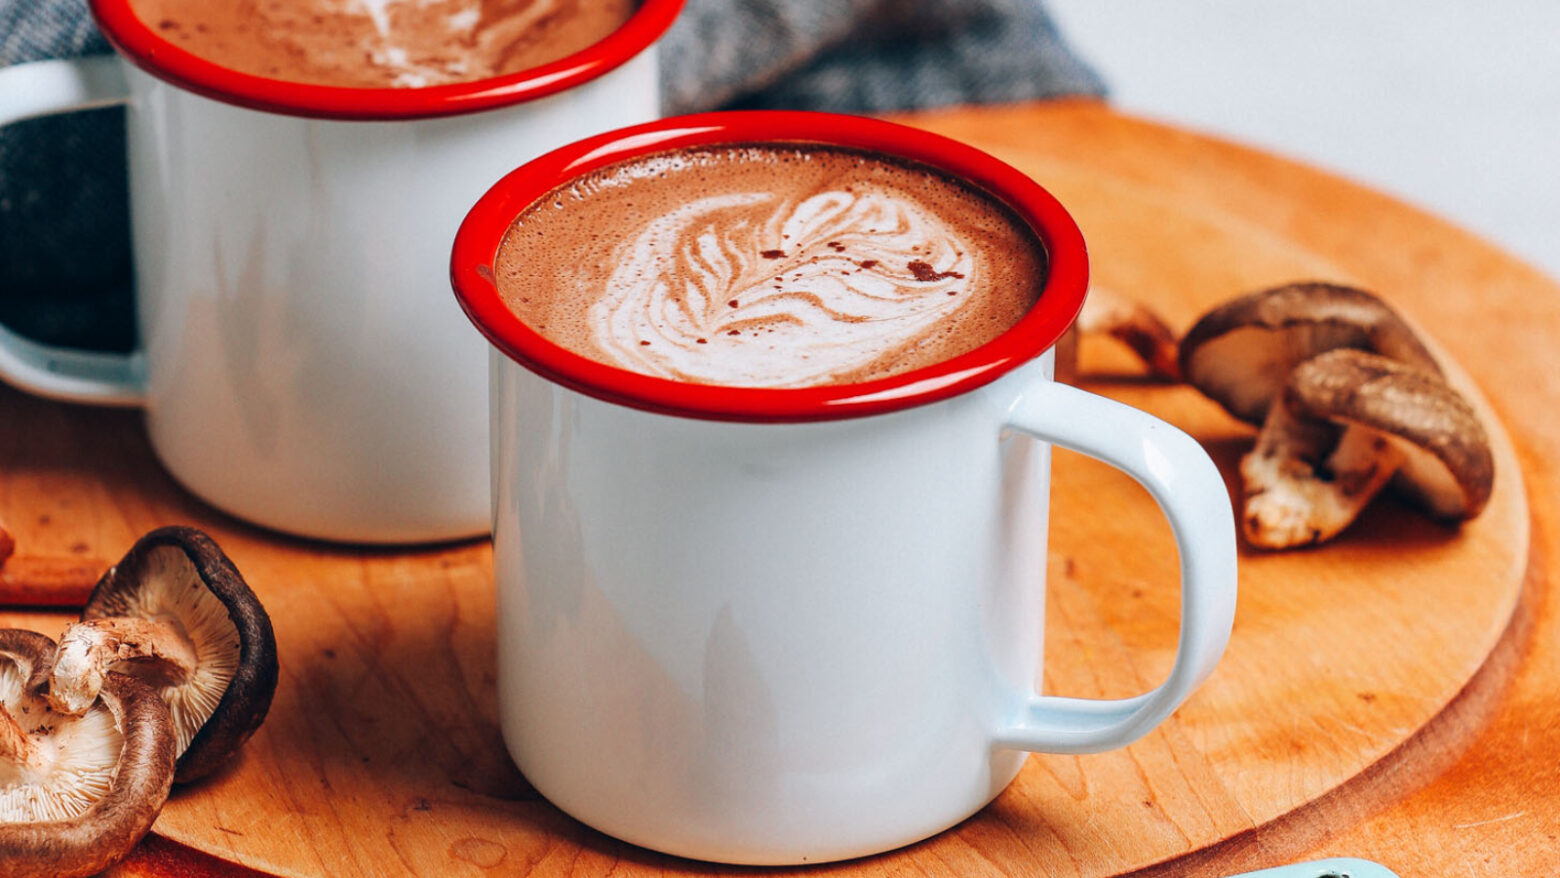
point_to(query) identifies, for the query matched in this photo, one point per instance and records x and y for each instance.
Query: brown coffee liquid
(383, 43)
(770, 265)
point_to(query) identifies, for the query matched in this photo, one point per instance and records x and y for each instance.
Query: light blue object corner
(1341, 867)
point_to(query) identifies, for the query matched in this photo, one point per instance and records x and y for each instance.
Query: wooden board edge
(159, 857)
(1415, 763)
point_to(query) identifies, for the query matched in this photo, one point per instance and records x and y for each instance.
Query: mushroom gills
(69, 765)
(76, 793)
(51, 767)
(177, 615)
(185, 645)
(1246, 368)
(1426, 479)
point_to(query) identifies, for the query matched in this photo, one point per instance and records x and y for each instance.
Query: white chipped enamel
(846, 297)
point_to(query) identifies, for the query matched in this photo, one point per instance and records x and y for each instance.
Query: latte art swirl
(750, 289)
(383, 43)
(762, 265)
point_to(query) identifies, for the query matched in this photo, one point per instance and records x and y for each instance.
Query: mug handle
(43, 88)
(1191, 494)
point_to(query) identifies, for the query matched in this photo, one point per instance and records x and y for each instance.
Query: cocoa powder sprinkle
(925, 273)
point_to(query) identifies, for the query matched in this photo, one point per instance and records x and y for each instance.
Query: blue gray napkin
(866, 56)
(64, 247)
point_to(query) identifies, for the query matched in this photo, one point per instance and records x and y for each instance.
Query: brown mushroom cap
(1241, 353)
(178, 580)
(1348, 422)
(89, 787)
(1448, 466)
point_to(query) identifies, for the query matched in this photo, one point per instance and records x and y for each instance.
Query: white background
(1451, 106)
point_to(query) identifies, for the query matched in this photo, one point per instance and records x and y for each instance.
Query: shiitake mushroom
(76, 792)
(176, 614)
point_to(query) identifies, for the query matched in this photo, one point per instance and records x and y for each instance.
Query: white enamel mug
(791, 626)
(301, 363)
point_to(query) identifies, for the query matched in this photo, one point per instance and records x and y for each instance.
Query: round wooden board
(382, 757)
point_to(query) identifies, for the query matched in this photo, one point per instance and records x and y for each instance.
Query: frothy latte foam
(769, 266)
(383, 43)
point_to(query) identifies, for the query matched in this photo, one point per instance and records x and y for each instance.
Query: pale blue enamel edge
(1340, 867)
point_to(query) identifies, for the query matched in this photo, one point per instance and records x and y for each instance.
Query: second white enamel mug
(300, 362)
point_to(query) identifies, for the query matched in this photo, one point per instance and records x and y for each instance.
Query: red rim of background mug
(477, 242)
(147, 49)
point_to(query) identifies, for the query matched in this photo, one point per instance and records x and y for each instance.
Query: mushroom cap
(181, 573)
(118, 758)
(1448, 465)
(1240, 353)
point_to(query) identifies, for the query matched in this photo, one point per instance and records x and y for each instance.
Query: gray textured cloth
(64, 248)
(863, 56)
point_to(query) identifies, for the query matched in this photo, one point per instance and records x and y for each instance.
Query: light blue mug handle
(44, 88)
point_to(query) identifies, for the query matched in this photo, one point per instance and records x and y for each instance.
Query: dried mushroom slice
(76, 792)
(1348, 422)
(177, 615)
(1241, 353)
(1135, 325)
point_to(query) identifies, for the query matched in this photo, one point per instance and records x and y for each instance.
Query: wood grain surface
(1390, 695)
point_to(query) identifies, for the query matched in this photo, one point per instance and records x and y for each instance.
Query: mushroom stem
(1345, 424)
(1305, 482)
(15, 746)
(88, 650)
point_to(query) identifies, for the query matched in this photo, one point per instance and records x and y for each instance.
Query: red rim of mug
(477, 243)
(147, 49)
